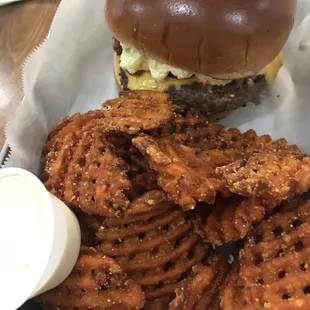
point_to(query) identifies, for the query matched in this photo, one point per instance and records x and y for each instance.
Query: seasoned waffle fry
(248, 143)
(131, 114)
(268, 175)
(276, 259)
(187, 129)
(230, 219)
(78, 146)
(154, 243)
(199, 291)
(110, 180)
(199, 133)
(147, 95)
(138, 164)
(124, 149)
(89, 225)
(157, 304)
(97, 282)
(185, 176)
(274, 263)
(230, 292)
(90, 176)
(69, 126)
(148, 202)
(277, 235)
(139, 114)
(195, 131)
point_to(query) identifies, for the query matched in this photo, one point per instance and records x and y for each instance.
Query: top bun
(218, 38)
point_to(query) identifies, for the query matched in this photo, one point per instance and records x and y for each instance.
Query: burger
(210, 56)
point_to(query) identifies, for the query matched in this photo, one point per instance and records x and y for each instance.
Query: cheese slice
(271, 71)
(147, 82)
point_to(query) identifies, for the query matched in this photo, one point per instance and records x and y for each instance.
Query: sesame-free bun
(218, 38)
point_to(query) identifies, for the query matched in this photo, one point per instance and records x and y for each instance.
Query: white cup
(39, 238)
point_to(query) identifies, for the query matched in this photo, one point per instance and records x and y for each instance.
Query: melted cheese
(147, 82)
(271, 71)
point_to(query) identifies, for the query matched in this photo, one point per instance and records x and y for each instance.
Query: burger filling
(133, 62)
(196, 92)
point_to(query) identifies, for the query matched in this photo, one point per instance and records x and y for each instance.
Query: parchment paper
(72, 71)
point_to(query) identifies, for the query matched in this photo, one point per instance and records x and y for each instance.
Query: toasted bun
(218, 38)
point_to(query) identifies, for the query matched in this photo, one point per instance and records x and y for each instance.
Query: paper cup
(39, 237)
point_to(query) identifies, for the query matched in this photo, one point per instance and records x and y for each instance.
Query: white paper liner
(5, 154)
(72, 71)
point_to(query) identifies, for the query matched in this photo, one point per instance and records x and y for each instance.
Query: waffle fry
(124, 149)
(157, 304)
(146, 112)
(268, 175)
(154, 244)
(147, 95)
(230, 219)
(185, 176)
(186, 129)
(129, 114)
(274, 263)
(199, 291)
(97, 282)
(78, 146)
(70, 126)
(197, 132)
(230, 292)
(142, 183)
(148, 202)
(89, 177)
(138, 164)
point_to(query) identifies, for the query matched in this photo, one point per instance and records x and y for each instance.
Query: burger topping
(134, 61)
(157, 75)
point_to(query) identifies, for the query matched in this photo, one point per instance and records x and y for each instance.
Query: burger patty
(213, 101)
(217, 101)
(117, 47)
